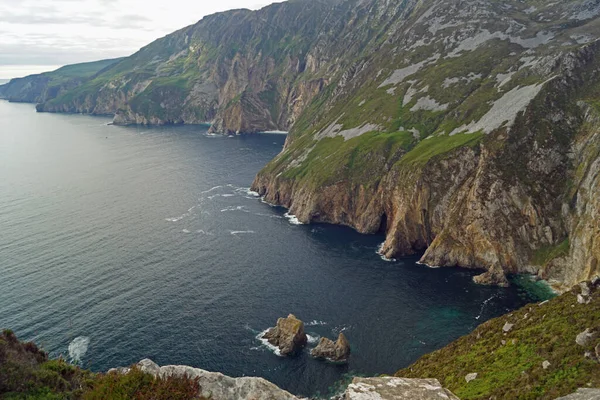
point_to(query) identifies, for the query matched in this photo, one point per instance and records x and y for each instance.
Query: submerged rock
(388, 388)
(494, 277)
(288, 335)
(333, 351)
(217, 386)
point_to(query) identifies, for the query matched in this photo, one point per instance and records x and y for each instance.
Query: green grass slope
(510, 362)
(45, 86)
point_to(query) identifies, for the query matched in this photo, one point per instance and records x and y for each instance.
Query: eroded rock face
(327, 349)
(217, 386)
(397, 389)
(288, 335)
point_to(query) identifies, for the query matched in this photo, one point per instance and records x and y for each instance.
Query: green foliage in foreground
(27, 373)
(509, 365)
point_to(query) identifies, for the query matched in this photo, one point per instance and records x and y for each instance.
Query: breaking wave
(77, 348)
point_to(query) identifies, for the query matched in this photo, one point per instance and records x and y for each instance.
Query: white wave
(228, 195)
(293, 219)
(177, 219)
(313, 339)
(339, 329)
(77, 348)
(241, 232)
(235, 208)
(314, 322)
(383, 257)
(428, 266)
(277, 132)
(203, 232)
(266, 343)
(186, 231)
(211, 189)
(246, 191)
(484, 304)
(262, 199)
(269, 215)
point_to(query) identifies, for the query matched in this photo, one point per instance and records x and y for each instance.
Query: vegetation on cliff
(48, 85)
(537, 352)
(27, 373)
(461, 134)
(468, 132)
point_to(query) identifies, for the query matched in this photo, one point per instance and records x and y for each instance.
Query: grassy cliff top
(531, 353)
(27, 373)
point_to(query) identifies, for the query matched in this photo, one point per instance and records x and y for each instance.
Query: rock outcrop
(217, 386)
(337, 351)
(288, 335)
(389, 388)
(495, 276)
(583, 394)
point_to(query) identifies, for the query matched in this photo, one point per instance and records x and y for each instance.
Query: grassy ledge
(509, 353)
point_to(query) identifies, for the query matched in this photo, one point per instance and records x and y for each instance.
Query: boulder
(391, 388)
(507, 327)
(583, 394)
(597, 351)
(546, 364)
(471, 377)
(585, 337)
(494, 277)
(288, 335)
(338, 351)
(585, 289)
(217, 386)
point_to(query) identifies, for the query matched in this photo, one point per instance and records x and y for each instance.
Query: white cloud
(42, 34)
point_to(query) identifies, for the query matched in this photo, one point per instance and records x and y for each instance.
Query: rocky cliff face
(470, 134)
(243, 71)
(468, 131)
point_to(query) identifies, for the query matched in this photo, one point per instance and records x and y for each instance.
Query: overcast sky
(41, 35)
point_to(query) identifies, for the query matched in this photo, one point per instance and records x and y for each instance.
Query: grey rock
(507, 327)
(581, 299)
(217, 386)
(585, 289)
(333, 351)
(471, 377)
(546, 364)
(494, 277)
(390, 388)
(585, 337)
(583, 394)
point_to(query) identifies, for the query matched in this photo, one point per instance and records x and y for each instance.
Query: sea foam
(77, 348)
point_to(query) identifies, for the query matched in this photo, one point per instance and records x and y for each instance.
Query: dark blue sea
(121, 243)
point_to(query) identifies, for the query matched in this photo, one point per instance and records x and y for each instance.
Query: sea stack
(288, 335)
(335, 352)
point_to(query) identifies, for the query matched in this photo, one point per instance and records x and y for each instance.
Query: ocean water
(121, 243)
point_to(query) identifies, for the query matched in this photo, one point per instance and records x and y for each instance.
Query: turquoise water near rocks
(121, 243)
